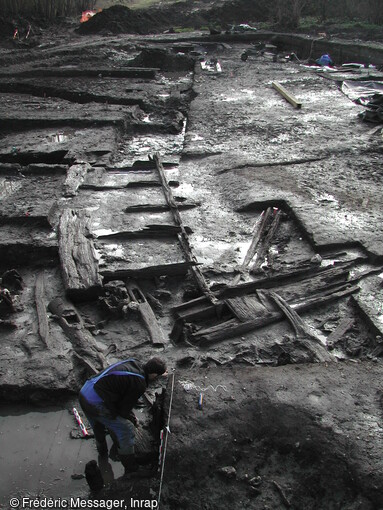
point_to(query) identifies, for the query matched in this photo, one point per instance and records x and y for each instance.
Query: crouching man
(108, 400)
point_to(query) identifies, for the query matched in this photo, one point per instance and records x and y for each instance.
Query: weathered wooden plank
(266, 242)
(259, 227)
(307, 272)
(83, 343)
(286, 94)
(302, 331)
(133, 184)
(156, 334)
(180, 268)
(153, 231)
(40, 297)
(79, 262)
(246, 308)
(187, 204)
(233, 327)
(342, 328)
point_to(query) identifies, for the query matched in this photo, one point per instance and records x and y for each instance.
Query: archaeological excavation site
(199, 182)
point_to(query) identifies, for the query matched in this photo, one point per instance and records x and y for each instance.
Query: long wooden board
(79, 262)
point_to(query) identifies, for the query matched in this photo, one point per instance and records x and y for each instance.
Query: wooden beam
(79, 262)
(286, 94)
(266, 242)
(259, 227)
(183, 236)
(150, 231)
(156, 334)
(83, 343)
(189, 204)
(233, 327)
(305, 273)
(338, 333)
(42, 317)
(302, 331)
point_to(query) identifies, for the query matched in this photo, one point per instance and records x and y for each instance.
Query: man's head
(154, 367)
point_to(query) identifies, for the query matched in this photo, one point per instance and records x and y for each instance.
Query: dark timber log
(79, 262)
(259, 227)
(41, 309)
(233, 327)
(307, 272)
(183, 236)
(189, 204)
(150, 231)
(247, 307)
(338, 333)
(302, 331)
(265, 244)
(180, 268)
(156, 334)
(82, 341)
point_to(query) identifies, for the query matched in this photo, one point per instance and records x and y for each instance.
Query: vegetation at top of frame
(285, 13)
(134, 4)
(48, 9)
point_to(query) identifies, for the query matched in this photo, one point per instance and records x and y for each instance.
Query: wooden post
(156, 334)
(41, 309)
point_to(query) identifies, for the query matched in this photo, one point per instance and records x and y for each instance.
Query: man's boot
(93, 476)
(129, 462)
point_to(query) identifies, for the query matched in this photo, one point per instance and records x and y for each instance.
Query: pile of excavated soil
(120, 19)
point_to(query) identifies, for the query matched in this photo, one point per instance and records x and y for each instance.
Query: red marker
(80, 422)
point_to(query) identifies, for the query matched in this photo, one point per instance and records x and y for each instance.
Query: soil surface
(160, 197)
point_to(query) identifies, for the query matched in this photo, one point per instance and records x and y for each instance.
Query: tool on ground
(80, 422)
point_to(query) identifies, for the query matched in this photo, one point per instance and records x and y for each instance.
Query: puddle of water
(38, 456)
(103, 232)
(59, 138)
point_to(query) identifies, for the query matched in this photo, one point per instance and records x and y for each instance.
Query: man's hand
(133, 418)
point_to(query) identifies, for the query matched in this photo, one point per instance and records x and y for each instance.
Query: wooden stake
(286, 94)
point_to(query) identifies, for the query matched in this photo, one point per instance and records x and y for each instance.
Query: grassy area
(133, 4)
(311, 22)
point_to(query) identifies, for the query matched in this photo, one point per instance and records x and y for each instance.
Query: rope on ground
(166, 442)
(189, 385)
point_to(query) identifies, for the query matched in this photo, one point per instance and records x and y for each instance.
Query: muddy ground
(108, 251)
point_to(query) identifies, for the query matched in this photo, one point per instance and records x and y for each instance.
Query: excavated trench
(157, 203)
